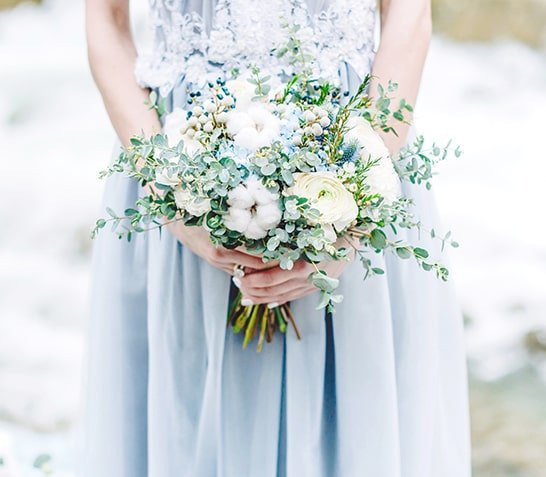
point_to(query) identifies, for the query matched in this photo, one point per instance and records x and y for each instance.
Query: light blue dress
(379, 390)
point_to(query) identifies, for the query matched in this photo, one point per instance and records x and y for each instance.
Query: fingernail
(246, 302)
(239, 272)
(272, 305)
(236, 281)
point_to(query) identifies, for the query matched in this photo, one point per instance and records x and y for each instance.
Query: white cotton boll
(237, 121)
(238, 219)
(249, 138)
(240, 198)
(242, 91)
(268, 216)
(255, 128)
(253, 211)
(254, 231)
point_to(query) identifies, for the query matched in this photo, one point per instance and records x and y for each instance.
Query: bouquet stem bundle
(260, 320)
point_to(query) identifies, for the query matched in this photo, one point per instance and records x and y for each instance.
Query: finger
(275, 276)
(284, 298)
(276, 290)
(224, 256)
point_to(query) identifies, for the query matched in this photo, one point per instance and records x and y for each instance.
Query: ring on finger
(238, 271)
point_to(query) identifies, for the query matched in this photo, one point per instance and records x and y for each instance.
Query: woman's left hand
(276, 286)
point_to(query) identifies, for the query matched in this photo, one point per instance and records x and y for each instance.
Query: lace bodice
(197, 38)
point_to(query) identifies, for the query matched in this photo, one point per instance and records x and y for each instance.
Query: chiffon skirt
(376, 390)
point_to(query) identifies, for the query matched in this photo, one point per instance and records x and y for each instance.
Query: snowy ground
(490, 98)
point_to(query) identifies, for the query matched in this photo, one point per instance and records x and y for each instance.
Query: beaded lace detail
(244, 32)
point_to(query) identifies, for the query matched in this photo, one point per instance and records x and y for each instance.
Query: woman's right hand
(198, 241)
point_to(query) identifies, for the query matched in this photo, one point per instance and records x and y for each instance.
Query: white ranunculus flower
(196, 206)
(382, 178)
(254, 128)
(175, 127)
(253, 209)
(328, 195)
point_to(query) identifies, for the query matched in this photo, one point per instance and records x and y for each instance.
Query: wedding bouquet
(290, 168)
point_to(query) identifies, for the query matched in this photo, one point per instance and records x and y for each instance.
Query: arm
(112, 55)
(406, 28)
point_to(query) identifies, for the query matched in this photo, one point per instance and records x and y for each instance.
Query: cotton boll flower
(238, 219)
(241, 198)
(253, 210)
(382, 177)
(268, 216)
(242, 91)
(254, 128)
(260, 194)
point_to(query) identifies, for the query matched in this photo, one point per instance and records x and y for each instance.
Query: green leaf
(378, 239)
(130, 212)
(323, 282)
(420, 252)
(404, 252)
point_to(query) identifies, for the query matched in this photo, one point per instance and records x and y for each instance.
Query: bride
(378, 390)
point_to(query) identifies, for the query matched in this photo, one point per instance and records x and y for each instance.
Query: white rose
(163, 177)
(196, 206)
(254, 128)
(328, 195)
(253, 209)
(382, 178)
(175, 127)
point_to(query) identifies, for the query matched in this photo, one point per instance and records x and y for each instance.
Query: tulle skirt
(377, 390)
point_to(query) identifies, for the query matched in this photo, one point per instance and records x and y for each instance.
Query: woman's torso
(196, 38)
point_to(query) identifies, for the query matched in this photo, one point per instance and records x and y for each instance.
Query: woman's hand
(198, 241)
(277, 286)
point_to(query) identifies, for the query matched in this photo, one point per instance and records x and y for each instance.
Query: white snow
(55, 137)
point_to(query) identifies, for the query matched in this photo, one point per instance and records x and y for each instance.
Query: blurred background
(484, 86)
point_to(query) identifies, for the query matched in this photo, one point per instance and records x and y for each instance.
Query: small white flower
(254, 128)
(328, 195)
(253, 209)
(196, 206)
(382, 177)
(176, 128)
